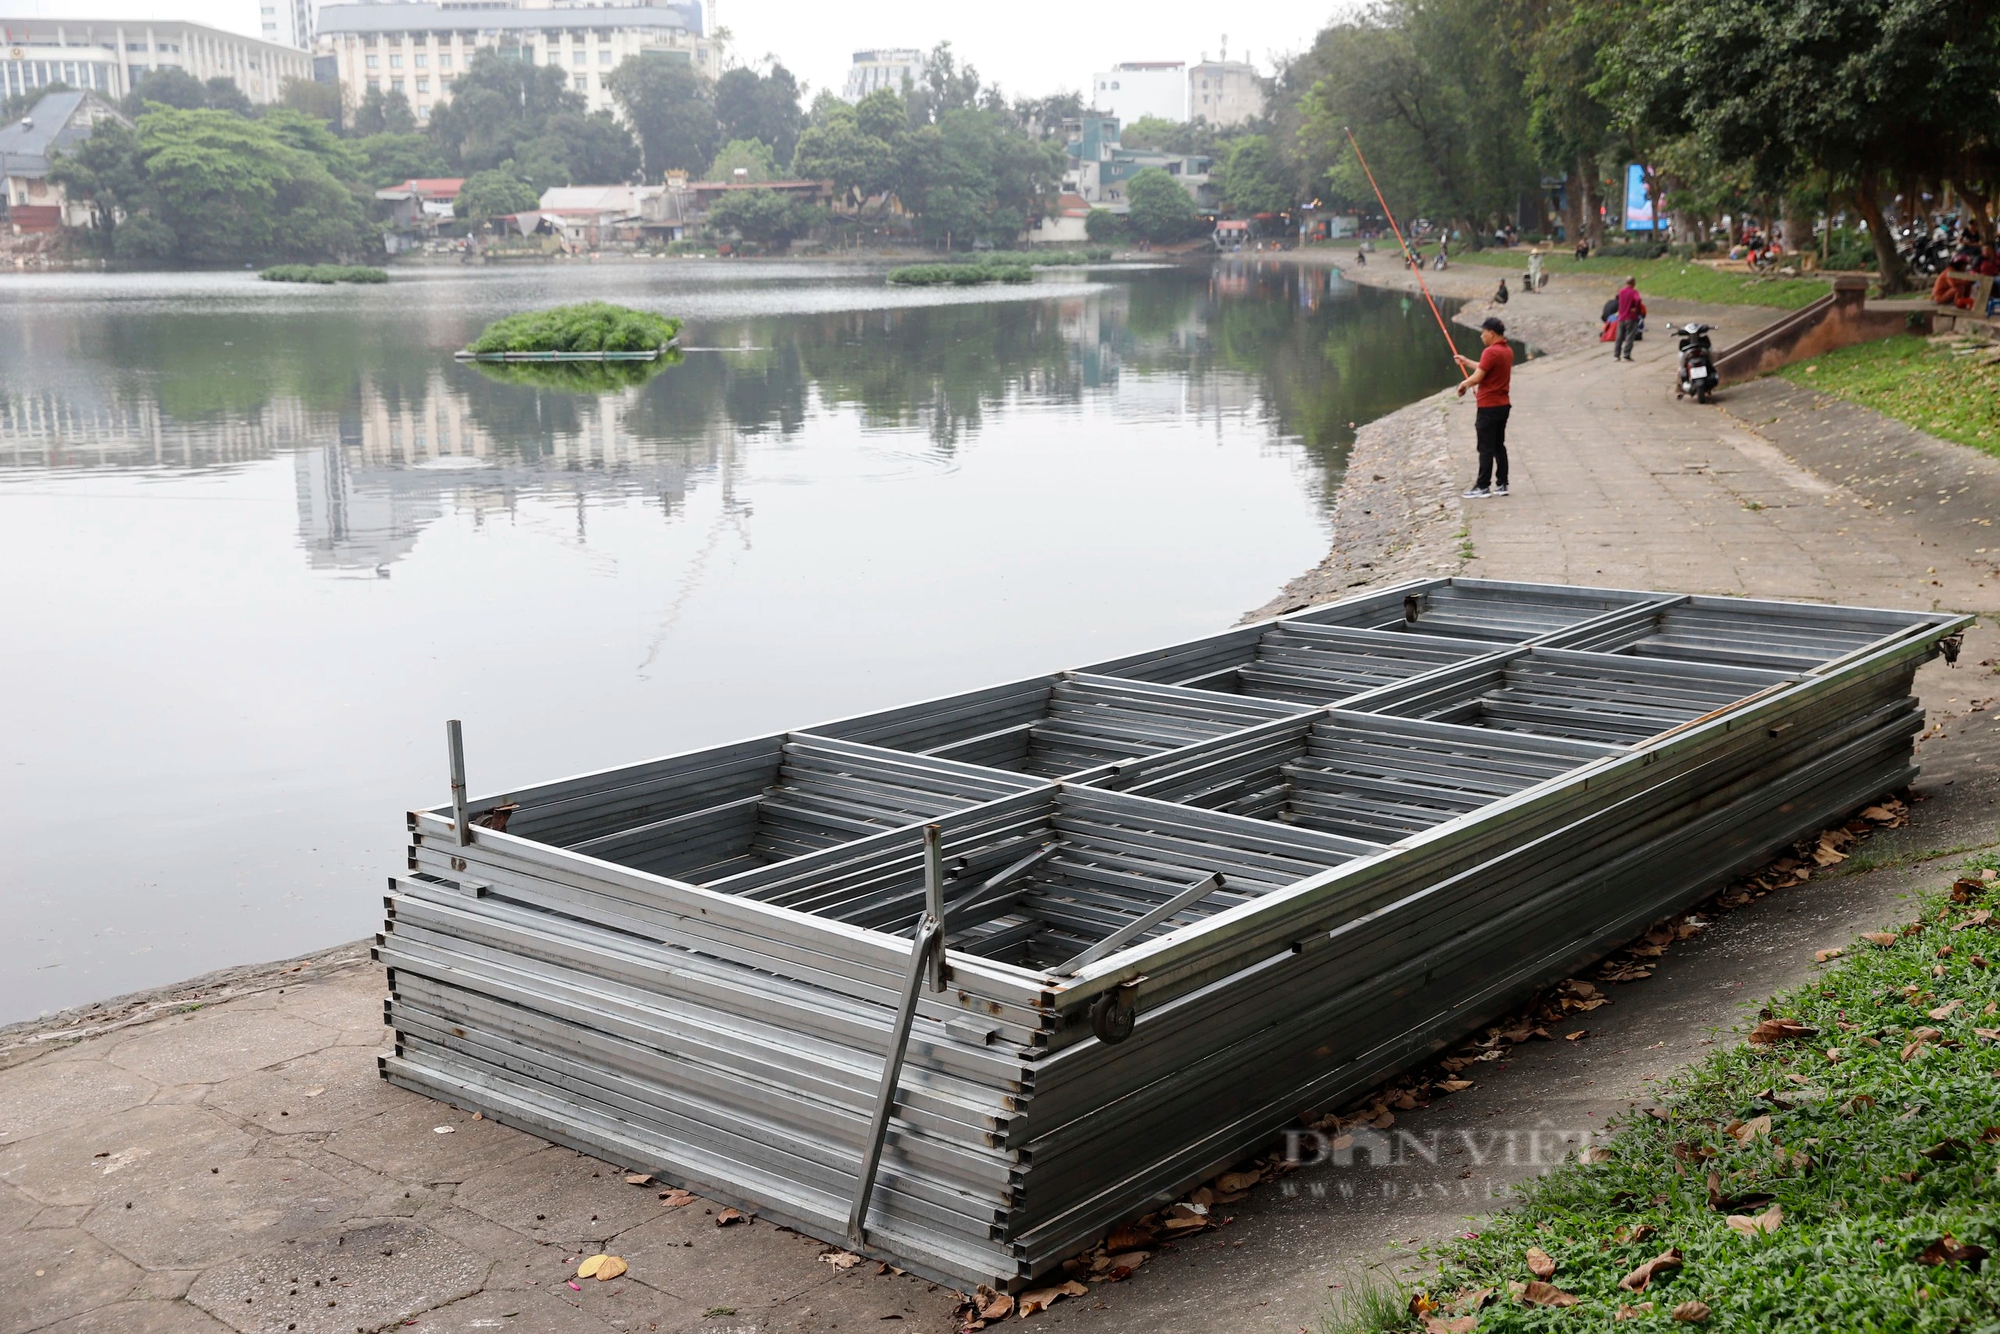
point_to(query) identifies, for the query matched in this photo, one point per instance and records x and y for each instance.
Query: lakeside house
(419, 206)
(59, 123)
(1099, 166)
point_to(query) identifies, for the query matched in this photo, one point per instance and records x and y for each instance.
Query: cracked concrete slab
(364, 1276)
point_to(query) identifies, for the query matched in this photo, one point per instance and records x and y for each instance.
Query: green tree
(671, 108)
(224, 95)
(391, 159)
(974, 176)
(1101, 224)
(233, 190)
(107, 173)
(764, 216)
(1254, 178)
(314, 99)
(882, 115)
(749, 154)
(491, 194)
(1147, 132)
(309, 134)
(1159, 210)
(1874, 93)
(835, 148)
(384, 113)
(764, 107)
(505, 110)
(169, 87)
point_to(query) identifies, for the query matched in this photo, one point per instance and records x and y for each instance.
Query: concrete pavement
(228, 1160)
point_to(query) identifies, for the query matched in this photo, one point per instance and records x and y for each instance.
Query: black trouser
(1627, 331)
(1490, 425)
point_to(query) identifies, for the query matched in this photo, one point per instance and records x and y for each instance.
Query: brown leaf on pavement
(992, 1305)
(1540, 1263)
(638, 1179)
(1454, 1085)
(1129, 1238)
(1041, 1299)
(1230, 1182)
(612, 1267)
(729, 1217)
(675, 1199)
(841, 1260)
(1691, 1313)
(1637, 1280)
(1773, 1031)
(1577, 1036)
(1122, 1266)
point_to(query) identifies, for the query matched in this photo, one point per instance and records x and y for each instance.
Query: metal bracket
(1950, 645)
(926, 968)
(1113, 1015)
(454, 741)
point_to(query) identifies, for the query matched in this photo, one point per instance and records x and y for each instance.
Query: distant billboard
(1641, 213)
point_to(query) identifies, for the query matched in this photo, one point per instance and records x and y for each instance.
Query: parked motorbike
(1697, 363)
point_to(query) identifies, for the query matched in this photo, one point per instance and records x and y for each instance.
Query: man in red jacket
(1629, 311)
(1491, 376)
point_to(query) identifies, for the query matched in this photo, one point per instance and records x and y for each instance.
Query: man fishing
(1490, 376)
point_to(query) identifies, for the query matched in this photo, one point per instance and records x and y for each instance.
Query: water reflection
(264, 541)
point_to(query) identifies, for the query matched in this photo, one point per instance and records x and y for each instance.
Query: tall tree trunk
(1798, 226)
(1573, 205)
(1888, 263)
(1982, 205)
(1593, 223)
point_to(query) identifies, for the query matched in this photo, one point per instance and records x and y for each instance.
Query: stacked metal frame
(1186, 896)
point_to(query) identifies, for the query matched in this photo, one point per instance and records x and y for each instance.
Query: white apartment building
(420, 49)
(108, 56)
(1224, 92)
(288, 22)
(1156, 88)
(884, 67)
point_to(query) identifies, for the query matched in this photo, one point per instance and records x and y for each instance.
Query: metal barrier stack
(965, 983)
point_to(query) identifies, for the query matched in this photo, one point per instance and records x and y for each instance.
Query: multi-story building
(884, 67)
(1099, 166)
(108, 56)
(420, 49)
(1224, 92)
(288, 22)
(1156, 88)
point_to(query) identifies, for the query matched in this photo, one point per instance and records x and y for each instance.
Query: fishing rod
(1408, 258)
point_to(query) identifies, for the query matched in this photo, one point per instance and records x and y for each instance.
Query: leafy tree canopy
(390, 159)
(764, 107)
(835, 148)
(671, 107)
(1159, 209)
(1254, 178)
(1147, 132)
(384, 113)
(753, 157)
(493, 193)
(764, 216)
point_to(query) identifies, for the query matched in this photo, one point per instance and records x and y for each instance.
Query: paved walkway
(238, 1166)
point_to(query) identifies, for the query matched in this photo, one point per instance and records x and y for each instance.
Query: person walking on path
(1491, 376)
(1629, 311)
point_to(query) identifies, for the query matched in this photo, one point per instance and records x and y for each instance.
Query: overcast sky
(1027, 51)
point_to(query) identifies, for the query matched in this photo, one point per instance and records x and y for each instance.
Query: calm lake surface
(262, 540)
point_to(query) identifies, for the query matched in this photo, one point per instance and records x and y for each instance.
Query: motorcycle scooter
(1697, 363)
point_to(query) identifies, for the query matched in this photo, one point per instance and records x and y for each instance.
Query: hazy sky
(1026, 51)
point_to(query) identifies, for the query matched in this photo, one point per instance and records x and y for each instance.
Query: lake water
(260, 541)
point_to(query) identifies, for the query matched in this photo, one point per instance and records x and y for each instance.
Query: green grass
(1955, 398)
(1677, 279)
(960, 275)
(1872, 1158)
(592, 326)
(323, 273)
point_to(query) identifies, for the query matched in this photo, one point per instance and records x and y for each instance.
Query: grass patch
(960, 275)
(1676, 279)
(592, 326)
(1915, 381)
(1800, 1189)
(323, 273)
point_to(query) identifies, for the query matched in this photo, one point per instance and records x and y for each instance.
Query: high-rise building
(1224, 92)
(884, 67)
(420, 49)
(108, 56)
(1136, 88)
(288, 22)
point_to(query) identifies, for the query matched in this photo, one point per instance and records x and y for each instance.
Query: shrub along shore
(323, 273)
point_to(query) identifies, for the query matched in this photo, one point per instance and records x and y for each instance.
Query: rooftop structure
(1099, 166)
(884, 67)
(1139, 88)
(107, 56)
(420, 49)
(1224, 92)
(59, 123)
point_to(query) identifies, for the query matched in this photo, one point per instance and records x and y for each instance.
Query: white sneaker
(1499, 490)
(1477, 493)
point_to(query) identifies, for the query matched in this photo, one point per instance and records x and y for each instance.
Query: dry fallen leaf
(1539, 1293)
(993, 1305)
(1918, 1037)
(1691, 1313)
(638, 1179)
(1454, 1085)
(1822, 956)
(1773, 1031)
(1540, 1263)
(1128, 1238)
(728, 1217)
(1748, 1131)
(1230, 1182)
(1634, 1312)
(1625, 1235)
(1751, 1225)
(612, 1267)
(841, 1260)
(1577, 1036)
(676, 1198)
(443, 1130)
(1463, 1324)
(589, 1268)
(1949, 1250)
(1637, 1280)
(1883, 938)
(1944, 1011)
(1596, 1153)
(1122, 1265)
(1041, 1299)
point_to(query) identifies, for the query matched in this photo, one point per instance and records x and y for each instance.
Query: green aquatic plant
(592, 326)
(323, 273)
(578, 377)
